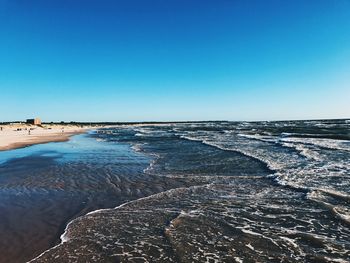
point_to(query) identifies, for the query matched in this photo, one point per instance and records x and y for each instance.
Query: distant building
(35, 121)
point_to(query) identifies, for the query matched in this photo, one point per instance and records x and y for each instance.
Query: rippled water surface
(193, 192)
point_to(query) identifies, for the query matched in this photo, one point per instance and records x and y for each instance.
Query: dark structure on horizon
(35, 121)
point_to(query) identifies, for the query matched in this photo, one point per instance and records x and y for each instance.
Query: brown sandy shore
(22, 135)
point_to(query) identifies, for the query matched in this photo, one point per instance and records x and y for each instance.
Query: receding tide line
(64, 237)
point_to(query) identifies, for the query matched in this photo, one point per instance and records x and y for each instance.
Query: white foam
(65, 236)
(290, 241)
(321, 142)
(302, 169)
(250, 246)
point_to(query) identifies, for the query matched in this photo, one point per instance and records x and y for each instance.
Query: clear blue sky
(133, 60)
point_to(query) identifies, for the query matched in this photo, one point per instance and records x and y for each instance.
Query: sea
(181, 192)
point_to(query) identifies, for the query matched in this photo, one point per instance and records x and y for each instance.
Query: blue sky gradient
(139, 60)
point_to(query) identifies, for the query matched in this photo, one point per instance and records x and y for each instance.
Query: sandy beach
(14, 136)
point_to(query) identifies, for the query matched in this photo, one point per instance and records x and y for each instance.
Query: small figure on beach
(29, 132)
(0, 128)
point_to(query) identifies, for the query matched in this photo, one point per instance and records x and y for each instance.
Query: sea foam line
(64, 237)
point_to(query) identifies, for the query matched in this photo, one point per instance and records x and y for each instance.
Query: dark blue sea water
(192, 192)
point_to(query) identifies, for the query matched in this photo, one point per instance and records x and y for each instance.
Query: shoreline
(40, 140)
(15, 137)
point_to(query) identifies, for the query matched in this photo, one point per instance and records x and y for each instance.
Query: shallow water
(48, 185)
(201, 192)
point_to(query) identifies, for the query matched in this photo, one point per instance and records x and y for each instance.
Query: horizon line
(170, 122)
